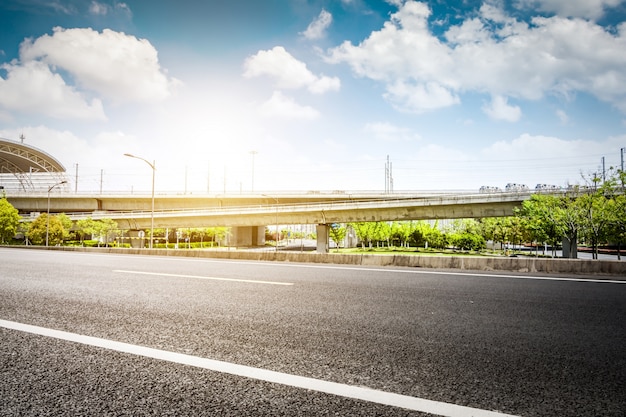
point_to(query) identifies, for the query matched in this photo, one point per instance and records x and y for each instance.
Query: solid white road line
(251, 281)
(333, 388)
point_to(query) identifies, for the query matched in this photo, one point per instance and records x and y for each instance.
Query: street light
(276, 220)
(48, 211)
(152, 165)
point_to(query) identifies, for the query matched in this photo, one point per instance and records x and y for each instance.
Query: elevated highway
(248, 215)
(134, 211)
(323, 212)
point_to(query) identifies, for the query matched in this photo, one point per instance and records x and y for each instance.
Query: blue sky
(304, 95)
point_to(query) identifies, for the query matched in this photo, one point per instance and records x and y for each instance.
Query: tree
(467, 241)
(41, 226)
(104, 229)
(401, 231)
(383, 232)
(9, 220)
(496, 229)
(365, 232)
(337, 233)
(547, 219)
(617, 229)
(86, 227)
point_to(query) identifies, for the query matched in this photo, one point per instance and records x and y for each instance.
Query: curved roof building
(26, 168)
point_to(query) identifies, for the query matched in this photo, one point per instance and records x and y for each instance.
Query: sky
(270, 96)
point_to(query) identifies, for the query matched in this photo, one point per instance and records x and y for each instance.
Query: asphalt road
(485, 343)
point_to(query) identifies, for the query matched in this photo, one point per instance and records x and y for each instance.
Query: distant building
(24, 168)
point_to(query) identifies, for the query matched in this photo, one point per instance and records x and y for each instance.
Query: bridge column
(136, 238)
(322, 238)
(248, 236)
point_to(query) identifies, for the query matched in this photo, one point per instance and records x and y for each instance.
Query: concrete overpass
(248, 215)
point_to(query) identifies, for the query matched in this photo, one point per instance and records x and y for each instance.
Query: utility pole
(76, 180)
(622, 157)
(603, 171)
(388, 176)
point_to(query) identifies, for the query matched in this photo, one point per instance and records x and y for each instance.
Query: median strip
(161, 274)
(333, 388)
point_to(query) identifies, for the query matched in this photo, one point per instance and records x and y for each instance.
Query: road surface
(124, 335)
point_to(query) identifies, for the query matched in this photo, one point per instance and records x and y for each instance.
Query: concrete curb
(493, 264)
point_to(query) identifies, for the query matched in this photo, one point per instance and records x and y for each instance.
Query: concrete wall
(492, 264)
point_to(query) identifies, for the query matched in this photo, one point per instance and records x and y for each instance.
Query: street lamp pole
(48, 211)
(153, 166)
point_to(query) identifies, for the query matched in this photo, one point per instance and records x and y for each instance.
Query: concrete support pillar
(136, 238)
(247, 236)
(322, 238)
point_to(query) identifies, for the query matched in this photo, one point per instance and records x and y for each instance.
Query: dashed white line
(343, 390)
(249, 281)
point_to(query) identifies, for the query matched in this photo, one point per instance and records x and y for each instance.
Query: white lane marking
(252, 281)
(334, 388)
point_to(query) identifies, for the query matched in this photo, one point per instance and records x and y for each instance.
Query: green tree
(41, 226)
(365, 232)
(401, 232)
(383, 232)
(9, 220)
(86, 228)
(337, 233)
(106, 228)
(547, 219)
(467, 241)
(617, 229)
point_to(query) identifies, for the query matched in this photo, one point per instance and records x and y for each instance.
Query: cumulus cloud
(113, 64)
(64, 75)
(420, 97)
(591, 9)
(499, 109)
(490, 53)
(287, 71)
(281, 106)
(33, 87)
(317, 28)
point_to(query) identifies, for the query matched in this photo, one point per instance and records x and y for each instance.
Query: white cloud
(287, 71)
(34, 88)
(499, 109)
(511, 58)
(98, 9)
(282, 106)
(113, 64)
(563, 117)
(317, 28)
(418, 98)
(592, 9)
